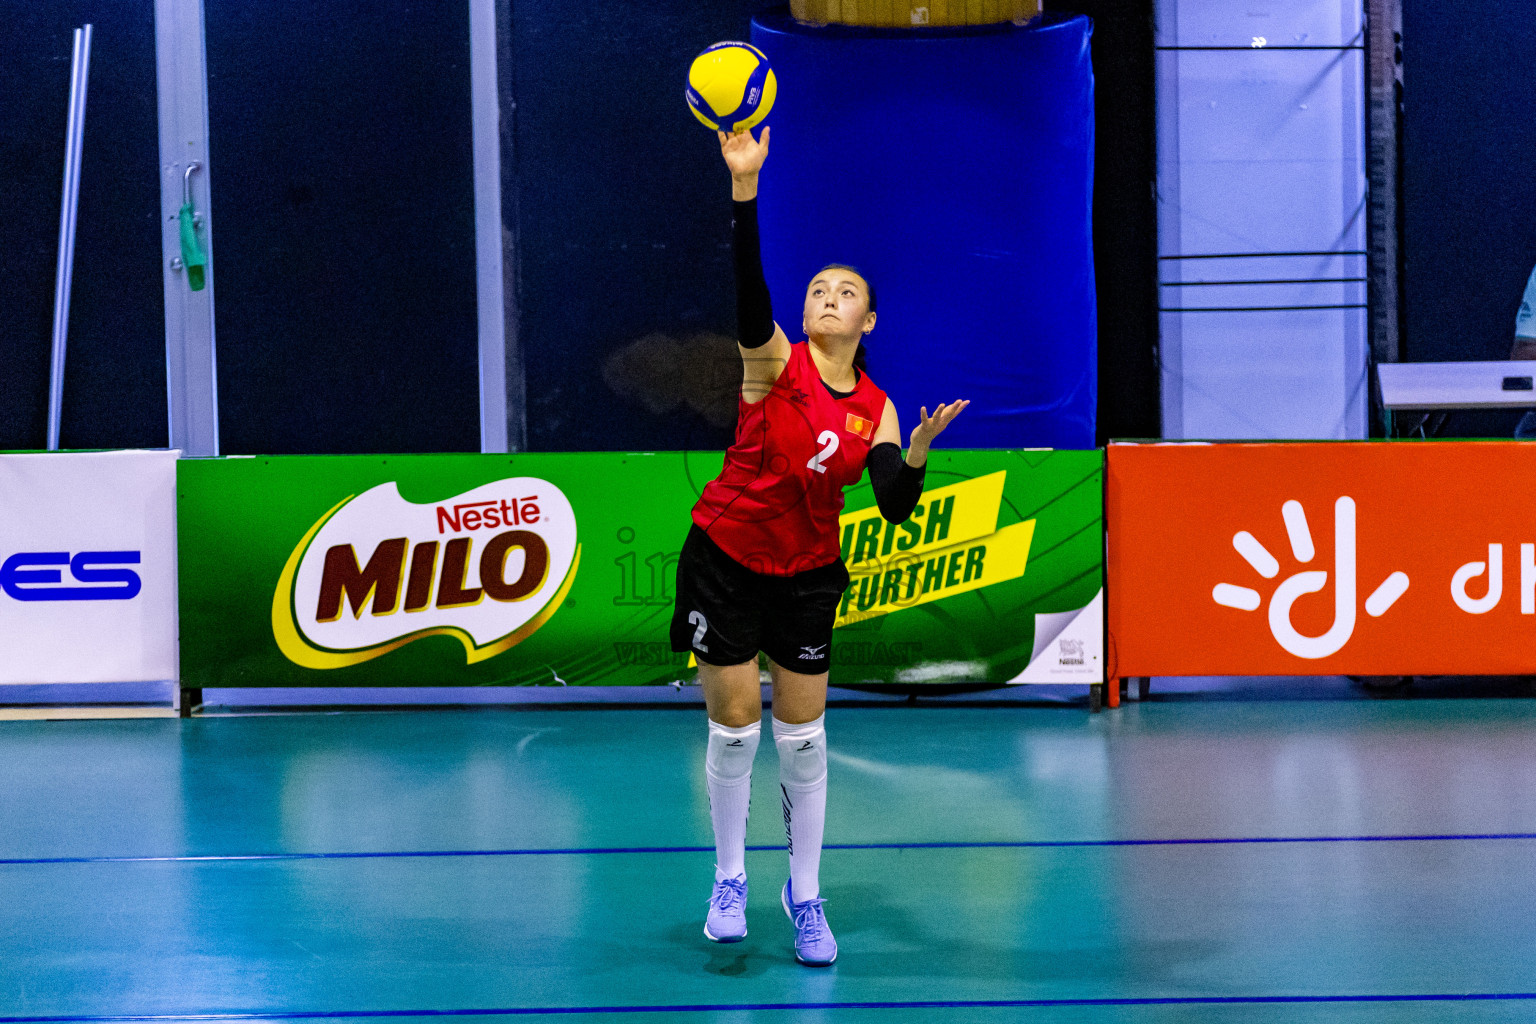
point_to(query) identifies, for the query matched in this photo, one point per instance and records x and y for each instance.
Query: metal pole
(1384, 91)
(490, 296)
(73, 141)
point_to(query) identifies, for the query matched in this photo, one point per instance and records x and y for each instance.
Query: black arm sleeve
(754, 311)
(897, 485)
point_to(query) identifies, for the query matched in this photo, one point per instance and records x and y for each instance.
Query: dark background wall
(341, 145)
(1125, 215)
(114, 386)
(1469, 150)
(624, 226)
(620, 221)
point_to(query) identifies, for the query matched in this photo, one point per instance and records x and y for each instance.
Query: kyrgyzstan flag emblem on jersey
(861, 426)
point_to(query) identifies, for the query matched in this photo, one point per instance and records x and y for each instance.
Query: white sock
(803, 781)
(728, 770)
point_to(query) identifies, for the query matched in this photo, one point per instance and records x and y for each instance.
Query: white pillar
(191, 368)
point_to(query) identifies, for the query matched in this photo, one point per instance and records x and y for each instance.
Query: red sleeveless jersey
(774, 507)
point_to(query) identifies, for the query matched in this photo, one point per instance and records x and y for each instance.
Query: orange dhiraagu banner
(1368, 558)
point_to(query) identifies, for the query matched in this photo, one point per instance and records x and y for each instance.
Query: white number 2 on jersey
(828, 441)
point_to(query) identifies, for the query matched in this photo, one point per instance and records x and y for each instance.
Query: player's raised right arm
(764, 346)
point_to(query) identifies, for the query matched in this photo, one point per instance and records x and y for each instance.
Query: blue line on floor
(584, 850)
(933, 1004)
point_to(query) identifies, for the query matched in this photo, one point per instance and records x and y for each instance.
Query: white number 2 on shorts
(828, 441)
(697, 618)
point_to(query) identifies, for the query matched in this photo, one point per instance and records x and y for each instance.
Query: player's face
(837, 305)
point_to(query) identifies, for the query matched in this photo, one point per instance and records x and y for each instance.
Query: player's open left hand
(932, 426)
(743, 154)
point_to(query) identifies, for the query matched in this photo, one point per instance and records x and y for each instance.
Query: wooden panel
(899, 13)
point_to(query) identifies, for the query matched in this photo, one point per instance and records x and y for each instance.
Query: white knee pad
(802, 752)
(730, 753)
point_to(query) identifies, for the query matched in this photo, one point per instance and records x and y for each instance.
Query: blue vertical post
(955, 167)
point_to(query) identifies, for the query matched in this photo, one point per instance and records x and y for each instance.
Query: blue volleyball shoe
(814, 944)
(727, 918)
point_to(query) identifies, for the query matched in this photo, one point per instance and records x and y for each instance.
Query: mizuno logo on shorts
(812, 653)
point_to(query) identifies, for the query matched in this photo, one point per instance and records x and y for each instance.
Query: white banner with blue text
(88, 567)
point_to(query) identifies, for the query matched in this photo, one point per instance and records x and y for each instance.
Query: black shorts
(726, 613)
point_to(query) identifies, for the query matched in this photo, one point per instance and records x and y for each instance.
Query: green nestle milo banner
(559, 569)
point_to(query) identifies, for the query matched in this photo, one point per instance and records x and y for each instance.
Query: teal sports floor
(1349, 861)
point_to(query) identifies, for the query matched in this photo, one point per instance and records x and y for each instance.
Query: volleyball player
(761, 568)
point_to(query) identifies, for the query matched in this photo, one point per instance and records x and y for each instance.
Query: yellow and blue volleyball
(731, 86)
